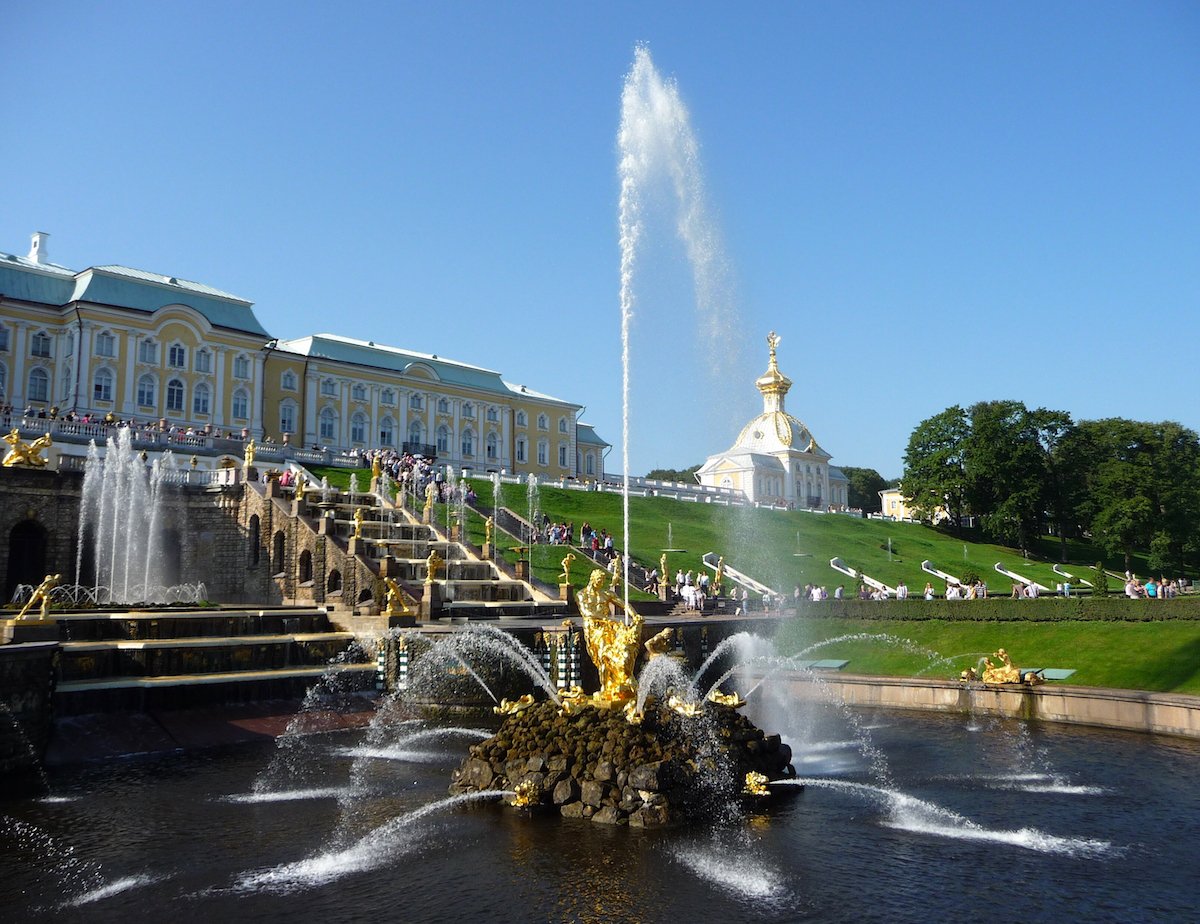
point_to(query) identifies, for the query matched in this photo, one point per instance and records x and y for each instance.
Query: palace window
(241, 404)
(177, 356)
(387, 431)
(387, 397)
(3, 339)
(468, 442)
(415, 402)
(443, 406)
(147, 352)
(69, 348)
(358, 392)
(329, 388)
(562, 455)
(146, 391)
(590, 461)
(3, 380)
(175, 396)
(468, 409)
(493, 447)
(443, 439)
(543, 422)
(40, 346)
(241, 367)
(200, 400)
(493, 415)
(288, 380)
(562, 425)
(328, 424)
(358, 429)
(521, 449)
(39, 385)
(287, 417)
(105, 344)
(521, 419)
(203, 361)
(416, 433)
(543, 452)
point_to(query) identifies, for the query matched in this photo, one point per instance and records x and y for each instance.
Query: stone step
(178, 680)
(211, 641)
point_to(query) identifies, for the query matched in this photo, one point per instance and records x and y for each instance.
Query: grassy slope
(1163, 656)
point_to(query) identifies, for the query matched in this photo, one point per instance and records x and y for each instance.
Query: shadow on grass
(1178, 670)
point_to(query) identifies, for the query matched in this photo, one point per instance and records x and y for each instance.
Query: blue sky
(932, 203)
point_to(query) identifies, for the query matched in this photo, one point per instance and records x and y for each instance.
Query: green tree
(864, 487)
(687, 475)
(935, 465)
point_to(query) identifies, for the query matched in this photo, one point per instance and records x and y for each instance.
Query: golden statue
(565, 577)
(23, 453)
(726, 699)
(612, 644)
(720, 576)
(1000, 673)
(488, 525)
(773, 341)
(376, 467)
(397, 600)
(513, 706)
(662, 569)
(430, 497)
(660, 644)
(526, 794)
(756, 784)
(41, 594)
(249, 453)
(358, 522)
(301, 485)
(432, 564)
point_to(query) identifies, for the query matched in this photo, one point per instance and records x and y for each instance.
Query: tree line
(1125, 485)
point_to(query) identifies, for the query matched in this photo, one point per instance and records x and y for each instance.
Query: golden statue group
(23, 453)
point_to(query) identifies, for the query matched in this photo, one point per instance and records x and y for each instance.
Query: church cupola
(773, 384)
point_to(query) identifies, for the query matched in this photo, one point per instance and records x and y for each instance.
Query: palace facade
(142, 346)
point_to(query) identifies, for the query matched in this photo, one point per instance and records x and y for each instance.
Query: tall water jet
(122, 524)
(656, 144)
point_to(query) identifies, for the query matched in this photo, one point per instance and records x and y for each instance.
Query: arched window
(358, 428)
(521, 419)
(200, 399)
(203, 361)
(39, 385)
(590, 462)
(468, 442)
(305, 567)
(468, 409)
(562, 455)
(543, 422)
(334, 583)
(543, 453)
(175, 396)
(416, 433)
(288, 380)
(102, 385)
(443, 439)
(493, 415)
(241, 404)
(562, 425)
(521, 451)
(146, 390)
(177, 356)
(287, 417)
(254, 538)
(387, 431)
(493, 447)
(328, 424)
(105, 344)
(278, 547)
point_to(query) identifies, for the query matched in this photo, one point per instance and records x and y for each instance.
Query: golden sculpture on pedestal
(660, 644)
(612, 644)
(432, 564)
(248, 456)
(376, 467)
(430, 497)
(488, 525)
(1004, 672)
(358, 523)
(23, 453)
(41, 594)
(565, 577)
(720, 578)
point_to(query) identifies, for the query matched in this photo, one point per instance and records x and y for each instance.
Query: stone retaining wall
(1131, 710)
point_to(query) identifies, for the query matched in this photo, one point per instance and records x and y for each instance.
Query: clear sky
(932, 203)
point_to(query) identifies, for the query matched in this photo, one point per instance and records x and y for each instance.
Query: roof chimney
(37, 247)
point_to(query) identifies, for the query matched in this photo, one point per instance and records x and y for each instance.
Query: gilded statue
(430, 497)
(249, 453)
(41, 594)
(1004, 672)
(23, 453)
(358, 522)
(397, 600)
(773, 341)
(662, 569)
(565, 577)
(376, 467)
(720, 578)
(612, 644)
(301, 485)
(660, 644)
(488, 525)
(432, 564)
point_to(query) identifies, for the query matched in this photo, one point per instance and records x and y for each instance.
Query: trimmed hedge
(1005, 609)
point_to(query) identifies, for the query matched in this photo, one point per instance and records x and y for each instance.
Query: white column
(218, 409)
(309, 425)
(128, 405)
(257, 392)
(17, 375)
(344, 422)
(82, 395)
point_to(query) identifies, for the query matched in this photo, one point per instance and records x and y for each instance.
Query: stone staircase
(172, 659)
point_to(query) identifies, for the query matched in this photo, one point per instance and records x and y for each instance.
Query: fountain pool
(1032, 822)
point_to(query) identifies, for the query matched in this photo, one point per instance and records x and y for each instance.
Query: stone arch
(255, 536)
(278, 549)
(27, 547)
(305, 567)
(365, 595)
(333, 583)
